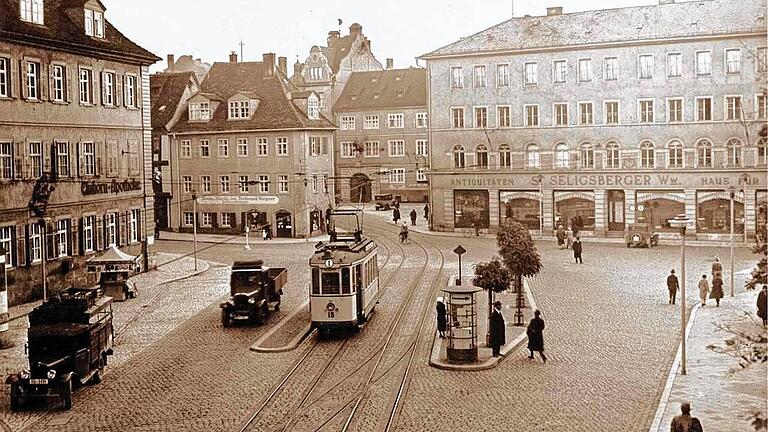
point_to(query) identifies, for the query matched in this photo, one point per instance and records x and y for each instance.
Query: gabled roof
(64, 29)
(166, 92)
(340, 49)
(390, 88)
(673, 20)
(274, 111)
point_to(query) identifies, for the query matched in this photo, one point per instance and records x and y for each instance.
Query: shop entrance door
(616, 210)
(284, 224)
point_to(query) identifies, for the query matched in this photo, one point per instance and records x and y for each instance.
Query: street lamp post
(732, 191)
(540, 180)
(247, 232)
(681, 221)
(194, 227)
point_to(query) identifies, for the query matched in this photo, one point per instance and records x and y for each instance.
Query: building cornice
(240, 131)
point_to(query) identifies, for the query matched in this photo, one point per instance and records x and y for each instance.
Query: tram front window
(331, 283)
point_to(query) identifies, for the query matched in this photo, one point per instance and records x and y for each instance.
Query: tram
(345, 277)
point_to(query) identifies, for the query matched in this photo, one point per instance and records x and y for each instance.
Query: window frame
(347, 149)
(476, 110)
(533, 155)
(33, 79)
(555, 75)
(369, 120)
(527, 117)
(224, 185)
(557, 117)
(85, 85)
(708, 153)
(640, 70)
(58, 82)
(589, 74)
(726, 63)
(561, 148)
(677, 160)
(669, 110)
(697, 65)
(503, 80)
(618, 111)
(347, 122)
(222, 147)
(396, 120)
(679, 56)
(532, 80)
(371, 145)
(710, 111)
(614, 76)
(641, 113)
(612, 162)
(454, 118)
(739, 112)
(500, 116)
(282, 183)
(479, 80)
(581, 105)
(281, 145)
(643, 151)
(5, 77)
(392, 144)
(456, 80)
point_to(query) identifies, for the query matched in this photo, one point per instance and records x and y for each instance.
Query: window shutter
(27, 246)
(99, 158)
(94, 87)
(138, 90)
(68, 90)
(42, 82)
(51, 92)
(103, 88)
(49, 239)
(104, 244)
(52, 161)
(72, 155)
(125, 90)
(118, 230)
(71, 236)
(139, 231)
(81, 237)
(23, 79)
(80, 161)
(18, 161)
(14, 244)
(117, 91)
(15, 76)
(98, 233)
(214, 221)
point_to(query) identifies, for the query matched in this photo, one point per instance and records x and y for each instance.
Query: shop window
(587, 155)
(575, 209)
(657, 208)
(533, 156)
(482, 156)
(471, 209)
(704, 153)
(713, 212)
(675, 149)
(522, 206)
(459, 160)
(612, 155)
(733, 147)
(646, 154)
(562, 157)
(762, 155)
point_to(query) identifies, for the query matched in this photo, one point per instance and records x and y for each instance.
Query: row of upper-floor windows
(371, 121)
(262, 183)
(398, 175)
(647, 112)
(33, 11)
(583, 156)
(394, 148)
(611, 70)
(39, 81)
(318, 146)
(30, 159)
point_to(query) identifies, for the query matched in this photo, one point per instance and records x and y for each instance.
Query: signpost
(681, 221)
(459, 251)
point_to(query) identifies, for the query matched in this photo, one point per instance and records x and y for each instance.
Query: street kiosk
(462, 322)
(115, 268)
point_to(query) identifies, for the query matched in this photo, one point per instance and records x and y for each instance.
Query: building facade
(254, 152)
(383, 145)
(75, 146)
(554, 121)
(327, 68)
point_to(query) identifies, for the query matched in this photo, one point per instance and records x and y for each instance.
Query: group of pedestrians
(716, 292)
(569, 239)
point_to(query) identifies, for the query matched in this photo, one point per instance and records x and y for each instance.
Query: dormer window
(31, 11)
(94, 23)
(199, 111)
(239, 109)
(313, 108)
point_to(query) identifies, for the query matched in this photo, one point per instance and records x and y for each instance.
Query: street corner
(287, 334)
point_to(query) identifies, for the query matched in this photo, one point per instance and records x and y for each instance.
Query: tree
(760, 272)
(493, 277)
(518, 252)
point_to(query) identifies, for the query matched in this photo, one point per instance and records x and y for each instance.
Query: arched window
(561, 155)
(704, 153)
(458, 156)
(762, 151)
(482, 156)
(646, 154)
(612, 155)
(505, 156)
(675, 148)
(587, 155)
(532, 156)
(733, 147)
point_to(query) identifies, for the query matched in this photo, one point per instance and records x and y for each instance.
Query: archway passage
(360, 188)
(284, 224)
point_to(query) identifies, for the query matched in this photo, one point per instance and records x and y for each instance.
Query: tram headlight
(330, 307)
(51, 374)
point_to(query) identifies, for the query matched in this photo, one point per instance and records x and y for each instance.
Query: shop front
(575, 210)
(524, 206)
(471, 209)
(657, 207)
(713, 212)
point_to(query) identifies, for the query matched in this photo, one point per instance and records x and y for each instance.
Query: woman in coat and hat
(535, 334)
(497, 330)
(441, 317)
(717, 289)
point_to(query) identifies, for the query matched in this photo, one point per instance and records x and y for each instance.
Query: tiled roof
(340, 49)
(274, 110)
(64, 29)
(390, 88)
(166, 91)
(704, 17)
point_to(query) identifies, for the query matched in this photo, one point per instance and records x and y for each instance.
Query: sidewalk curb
(435, 362)
(293, 343)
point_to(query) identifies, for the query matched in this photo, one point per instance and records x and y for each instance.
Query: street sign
(459, 250)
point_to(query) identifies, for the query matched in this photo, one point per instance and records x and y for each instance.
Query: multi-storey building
(255, 152)
(186, 63)
(556, 120)
(168, 95)
(327, 68)
(382, 137)
(75, 146)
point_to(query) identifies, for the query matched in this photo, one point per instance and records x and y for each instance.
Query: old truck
(253, 289)
(642, 235)
(70, 337)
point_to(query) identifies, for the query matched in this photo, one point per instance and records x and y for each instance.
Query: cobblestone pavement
(722, 395)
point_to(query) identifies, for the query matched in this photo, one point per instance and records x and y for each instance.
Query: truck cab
(253, 289)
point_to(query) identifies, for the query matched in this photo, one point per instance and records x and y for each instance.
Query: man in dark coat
(672, 286)
(396, 215)
(426, 211)
(535, 334)
(577, 250)
(762, 305)
(441, 317)
(498, 332)
(413, 217)
(685, 422)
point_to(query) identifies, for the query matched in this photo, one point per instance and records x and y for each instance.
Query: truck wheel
(66, 394)
(628, 245)
(96, 378)
(261, 314)
(15, 397)
(224, 318)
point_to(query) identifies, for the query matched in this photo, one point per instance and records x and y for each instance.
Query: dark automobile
(642, 235)
(70, 337)
(384, 202)
(253, 288)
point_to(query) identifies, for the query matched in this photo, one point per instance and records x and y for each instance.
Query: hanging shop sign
(115, 187)
(238, 200)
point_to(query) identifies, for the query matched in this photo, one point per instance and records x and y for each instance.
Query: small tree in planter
(493, 277)
(759, 273)
(519, 255)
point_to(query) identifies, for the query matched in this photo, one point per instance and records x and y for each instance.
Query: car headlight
(251, 300)
(51, 374)
(24, 375)
(636, 238)
(330, 307)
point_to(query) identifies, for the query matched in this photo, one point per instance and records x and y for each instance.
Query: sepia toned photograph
(353, 216)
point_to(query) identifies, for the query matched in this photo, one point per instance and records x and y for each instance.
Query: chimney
(233, 57)
(297, 68)
(355, 29)
(282, 64)
(269, 64)
(555, 10)
(332, 37)
(171, 61)
(390, 63)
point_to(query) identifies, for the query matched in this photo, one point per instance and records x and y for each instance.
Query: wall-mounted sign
(238, 200)
(115, 187)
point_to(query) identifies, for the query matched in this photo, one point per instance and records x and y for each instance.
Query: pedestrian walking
(497, 329)
(396, 215)
(672, 286)
(413, 217)
(717, 269)
(426, 211)
(703, 289)
(577, 250)
(535, 334)
(560, 234)
(441, 317)
(717, 289)
(264, 232)
(762, 305)
(404, 232)
(568, 238)
(685, 422)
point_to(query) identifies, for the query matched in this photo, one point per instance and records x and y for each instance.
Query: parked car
(70, 337)
(384, 202)
(642, 235)
(253, 288)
